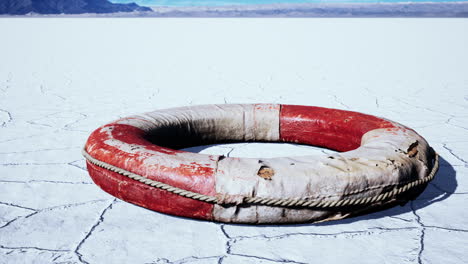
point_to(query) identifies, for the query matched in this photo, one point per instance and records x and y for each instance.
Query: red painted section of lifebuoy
(188, 174)
(335, 129)
(146, 196)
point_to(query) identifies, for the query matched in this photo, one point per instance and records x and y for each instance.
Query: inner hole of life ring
(259, 150)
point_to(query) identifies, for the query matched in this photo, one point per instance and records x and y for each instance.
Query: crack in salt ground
(10, 118)
(421, 107)
(229, 152)
(444, 145)
(16, 218)
(72, 205)
(42, 164)
(68, 126)
(72, 163)
(99, 221)
(7, 83)
(39, 150)
(448, 122)
(423, 233)
(38, 124)
(370, 231)
(402, 219)
(268, 259)
(160, 261)
(194, 258)
(340, 102)
(32, 163)
(182, 261)
(45, 91)
(462, 127)
(36, 211)
(447, 228)
(44, 181)
(18, 206)
(227, 243)
(36, 248)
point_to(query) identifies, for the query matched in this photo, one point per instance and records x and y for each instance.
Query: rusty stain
(266, 172)
(413, 149)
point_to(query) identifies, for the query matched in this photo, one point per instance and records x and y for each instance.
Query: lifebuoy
(380, 163)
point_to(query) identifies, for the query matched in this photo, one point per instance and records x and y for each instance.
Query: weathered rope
(284, 202)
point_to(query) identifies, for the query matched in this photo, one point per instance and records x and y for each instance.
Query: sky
(256, 2)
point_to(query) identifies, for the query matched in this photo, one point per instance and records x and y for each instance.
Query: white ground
(62, 78)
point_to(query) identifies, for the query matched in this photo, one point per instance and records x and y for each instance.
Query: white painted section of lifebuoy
(233, 122)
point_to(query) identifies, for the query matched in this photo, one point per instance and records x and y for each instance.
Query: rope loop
(281, 202)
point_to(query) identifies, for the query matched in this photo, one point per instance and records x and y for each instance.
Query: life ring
(380, 163)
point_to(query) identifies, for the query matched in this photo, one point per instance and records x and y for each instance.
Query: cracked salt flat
(61, 79)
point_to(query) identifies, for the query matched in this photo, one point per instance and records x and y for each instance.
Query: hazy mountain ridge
(398, 9)
(104, 8)
(21, 7)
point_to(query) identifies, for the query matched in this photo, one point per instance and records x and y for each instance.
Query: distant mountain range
(21, 7)
(403, 9)
(105, 8)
